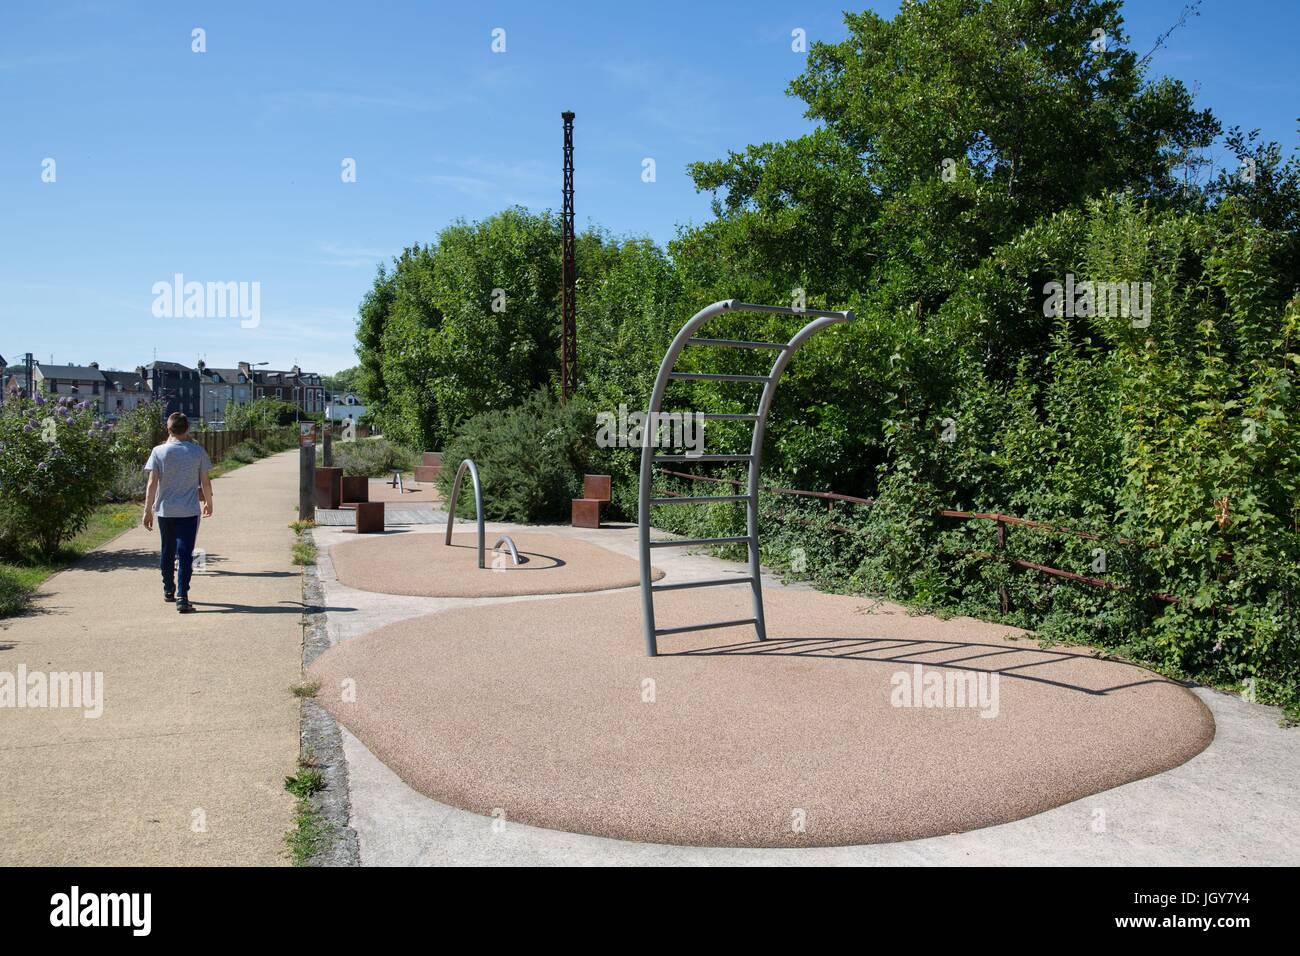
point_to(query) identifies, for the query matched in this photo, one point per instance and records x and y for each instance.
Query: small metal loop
(514, 552)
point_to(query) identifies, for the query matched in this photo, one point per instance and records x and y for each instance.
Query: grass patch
(15, 592)
(309, 825)
(236, 457)
(305, 689)
(309, 831)
(307, 781)
(304, 549)
(22, 574)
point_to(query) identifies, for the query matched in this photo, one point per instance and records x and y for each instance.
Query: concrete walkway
(187, 762)
(1233, 804)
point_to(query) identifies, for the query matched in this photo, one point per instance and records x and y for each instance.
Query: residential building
(176, 386)
(295, 386)
(341, 408)
(82, 383)
(124, 392)
(219, 387)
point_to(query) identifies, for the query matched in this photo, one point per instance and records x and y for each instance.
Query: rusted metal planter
(355, 488)
(327, 487)
(370, 517)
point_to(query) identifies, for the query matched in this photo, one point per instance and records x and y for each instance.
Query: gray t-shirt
(180, 465)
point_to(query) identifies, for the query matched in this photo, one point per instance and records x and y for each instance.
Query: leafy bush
(137, 431)
(56, 460)
(530, 458)
(128, 482)
(14, 592)
(370, 457)
(244, 452)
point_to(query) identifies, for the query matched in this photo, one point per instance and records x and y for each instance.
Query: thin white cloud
(339, 256)
(511, 183)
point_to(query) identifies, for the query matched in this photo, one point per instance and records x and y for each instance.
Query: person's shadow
(284, 607)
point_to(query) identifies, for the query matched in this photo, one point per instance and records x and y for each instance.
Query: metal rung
(727, 417)
(737, 344)
(683, 542)
(846, 315)
(700, 584)
(703, 457)
(660, 632)
(717, 377)
(700, 499)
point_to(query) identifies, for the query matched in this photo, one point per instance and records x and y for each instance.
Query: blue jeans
(178, 536)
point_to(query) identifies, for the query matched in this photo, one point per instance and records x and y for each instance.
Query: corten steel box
(370, 517)
(427, 472)
(327, 487)
(433, 459)
(595, 487)
(586, 513)
(355, 488)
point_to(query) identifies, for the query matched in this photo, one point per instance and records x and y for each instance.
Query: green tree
(263, 414)
(466, 323)
(943, 133)
(344, 381)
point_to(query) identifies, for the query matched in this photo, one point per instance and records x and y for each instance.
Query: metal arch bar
(845, 316)
(468, 463)
(650, 434)
(756, 453)
(649, 438)
(510, 545)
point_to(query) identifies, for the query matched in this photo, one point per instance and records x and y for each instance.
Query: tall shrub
(56, 459)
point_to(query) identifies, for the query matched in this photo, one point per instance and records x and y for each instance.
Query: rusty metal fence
(1003, 522)
(216, 444)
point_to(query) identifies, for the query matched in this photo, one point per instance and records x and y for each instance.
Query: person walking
(178, 481)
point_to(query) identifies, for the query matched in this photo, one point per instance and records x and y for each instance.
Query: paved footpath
(186, 765)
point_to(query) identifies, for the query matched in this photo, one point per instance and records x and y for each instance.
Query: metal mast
(568, 306)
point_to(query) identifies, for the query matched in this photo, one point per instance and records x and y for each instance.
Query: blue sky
(225, 166)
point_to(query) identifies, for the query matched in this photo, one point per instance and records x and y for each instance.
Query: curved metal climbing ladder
(649, 441)
(468, 465)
